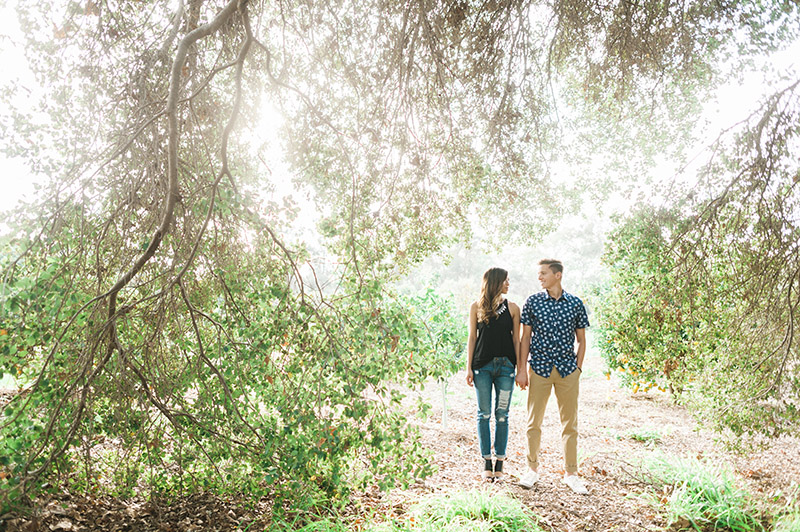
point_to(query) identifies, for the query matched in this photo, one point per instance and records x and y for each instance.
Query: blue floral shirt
(553, 323)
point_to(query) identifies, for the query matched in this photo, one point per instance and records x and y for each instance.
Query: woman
(492, 355)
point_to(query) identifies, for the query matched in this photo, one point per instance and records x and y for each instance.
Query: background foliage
(704, 292)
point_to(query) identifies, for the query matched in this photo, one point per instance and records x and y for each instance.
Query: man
(552, 320)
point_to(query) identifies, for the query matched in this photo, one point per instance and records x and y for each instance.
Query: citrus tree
(704, 292)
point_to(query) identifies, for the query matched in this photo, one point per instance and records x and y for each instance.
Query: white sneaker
(575, 484)
(529, 479)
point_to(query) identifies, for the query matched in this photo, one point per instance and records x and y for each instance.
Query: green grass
(473, 511)
(645, 435)
(702, 497)
(325, 525)
(648, 434)
(463, 511)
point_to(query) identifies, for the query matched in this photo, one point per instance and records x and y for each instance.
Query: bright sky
(734, 102)
(15, 180)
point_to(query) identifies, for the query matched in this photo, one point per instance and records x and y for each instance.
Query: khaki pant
(566, 389)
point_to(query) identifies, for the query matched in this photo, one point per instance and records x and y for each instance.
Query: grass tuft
(701, 496)
(472, 511)
(475, 510)
(645, 435)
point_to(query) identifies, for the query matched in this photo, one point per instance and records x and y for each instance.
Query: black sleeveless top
(495, 339)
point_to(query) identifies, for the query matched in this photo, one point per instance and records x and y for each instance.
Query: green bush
(687, 323)
(237, 380)
(437, 335)
(646, 330)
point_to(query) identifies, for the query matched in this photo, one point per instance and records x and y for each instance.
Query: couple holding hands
(498, 356)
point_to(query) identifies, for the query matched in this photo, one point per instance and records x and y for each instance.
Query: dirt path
(618, 430)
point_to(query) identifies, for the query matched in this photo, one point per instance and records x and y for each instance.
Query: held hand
(469, 377)
(522, 379)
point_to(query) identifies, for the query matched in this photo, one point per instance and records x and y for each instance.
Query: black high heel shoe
(498, 471)
(488, 471)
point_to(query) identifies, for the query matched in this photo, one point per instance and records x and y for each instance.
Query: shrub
(236, 379)
(673, 320)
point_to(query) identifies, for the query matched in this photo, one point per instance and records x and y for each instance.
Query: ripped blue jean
(500, 374)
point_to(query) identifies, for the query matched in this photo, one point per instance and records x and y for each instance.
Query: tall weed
(702, 496)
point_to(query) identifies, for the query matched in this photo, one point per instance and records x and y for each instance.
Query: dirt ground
(617, 430)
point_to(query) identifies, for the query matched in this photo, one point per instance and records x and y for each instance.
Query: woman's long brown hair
(491, 293)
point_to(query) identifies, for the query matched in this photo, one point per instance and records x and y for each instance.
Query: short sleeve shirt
(553, 323)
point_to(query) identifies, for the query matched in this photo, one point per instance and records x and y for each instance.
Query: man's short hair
(554, 265)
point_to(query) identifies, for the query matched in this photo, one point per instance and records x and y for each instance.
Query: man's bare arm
(580, 336)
